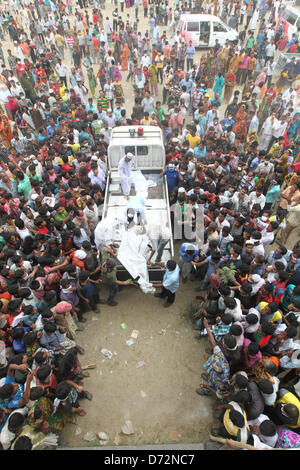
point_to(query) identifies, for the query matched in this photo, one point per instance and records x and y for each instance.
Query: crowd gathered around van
(229, 117)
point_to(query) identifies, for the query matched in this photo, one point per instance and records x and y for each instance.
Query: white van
(290, 19)
(203, 30)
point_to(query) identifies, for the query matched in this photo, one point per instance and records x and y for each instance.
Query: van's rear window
(141, 150)
(193, 26)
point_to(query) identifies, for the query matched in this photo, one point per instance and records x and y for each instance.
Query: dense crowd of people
(230, 125)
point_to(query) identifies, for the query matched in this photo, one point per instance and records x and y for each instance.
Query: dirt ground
(158, 397)
(152, 382)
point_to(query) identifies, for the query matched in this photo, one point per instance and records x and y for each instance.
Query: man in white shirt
(265, 166)
(270, 50)
(254, 123)
(145, 60)
(62, 69)
(81, 92)
(289, 95)
(268, 231)
(257, 197)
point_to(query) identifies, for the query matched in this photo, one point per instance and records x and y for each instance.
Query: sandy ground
(152, 382)
(158, 397)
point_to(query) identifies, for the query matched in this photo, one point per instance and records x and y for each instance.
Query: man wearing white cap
(125, 172)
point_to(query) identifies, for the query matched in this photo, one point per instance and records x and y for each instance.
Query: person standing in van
(190, 52)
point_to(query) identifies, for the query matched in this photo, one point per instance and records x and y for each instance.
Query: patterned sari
(55, 421)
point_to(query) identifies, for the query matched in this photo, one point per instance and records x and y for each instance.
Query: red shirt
(19, 69)
(95, 42)
(43, 230)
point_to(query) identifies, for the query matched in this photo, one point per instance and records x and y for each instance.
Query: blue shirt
(13, 402)
(188, 258)
(172, 178)
(171, 279)
(52, 341)
(210, 267)
(92, 108)
(272, 193)
(84, 135)
(200, 153)
(187, 84)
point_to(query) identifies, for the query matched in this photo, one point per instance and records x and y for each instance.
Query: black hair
(253, 349)
(237, 418)
(265, 386)
(241, 380)
(23, 443)
(15, 421)
(62, 390)
(242, 396)
(268, 428)
(226, 318)
(291, 331)
(43, 372)
(30, 338)
(251, 318)
(230, 341)
(236, 330)
(50, 327)
(36, 393)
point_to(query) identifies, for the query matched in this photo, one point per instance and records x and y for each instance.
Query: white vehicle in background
(146, 145)
(290, 19)
(203, 30)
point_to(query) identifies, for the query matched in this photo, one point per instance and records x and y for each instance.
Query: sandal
(205, 376)
(88, 395)
(203, 391)
(84, 374)
(89, 366)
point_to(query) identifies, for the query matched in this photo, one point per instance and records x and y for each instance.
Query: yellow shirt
(146, 122)
(70, 158)
(293, 400)
(59, 40)
(74, 147)
(194, 141)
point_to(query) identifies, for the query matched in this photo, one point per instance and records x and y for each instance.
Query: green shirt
(110, 277)
(61, 216)
(159, 113)
(250, 43)
(24, 186)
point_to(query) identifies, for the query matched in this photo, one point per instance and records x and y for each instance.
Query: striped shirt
(70, 41)
(104, 103)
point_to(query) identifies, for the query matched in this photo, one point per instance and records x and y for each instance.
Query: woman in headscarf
(41, 416)
(252, 137)
(125, 57)
(240, 129)
(283, 162)
(153, 79)
(262, 77)
(117, 74)
(92, 81)
(102, 75)
(219, 84)
(5, 130)
(241, 114)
